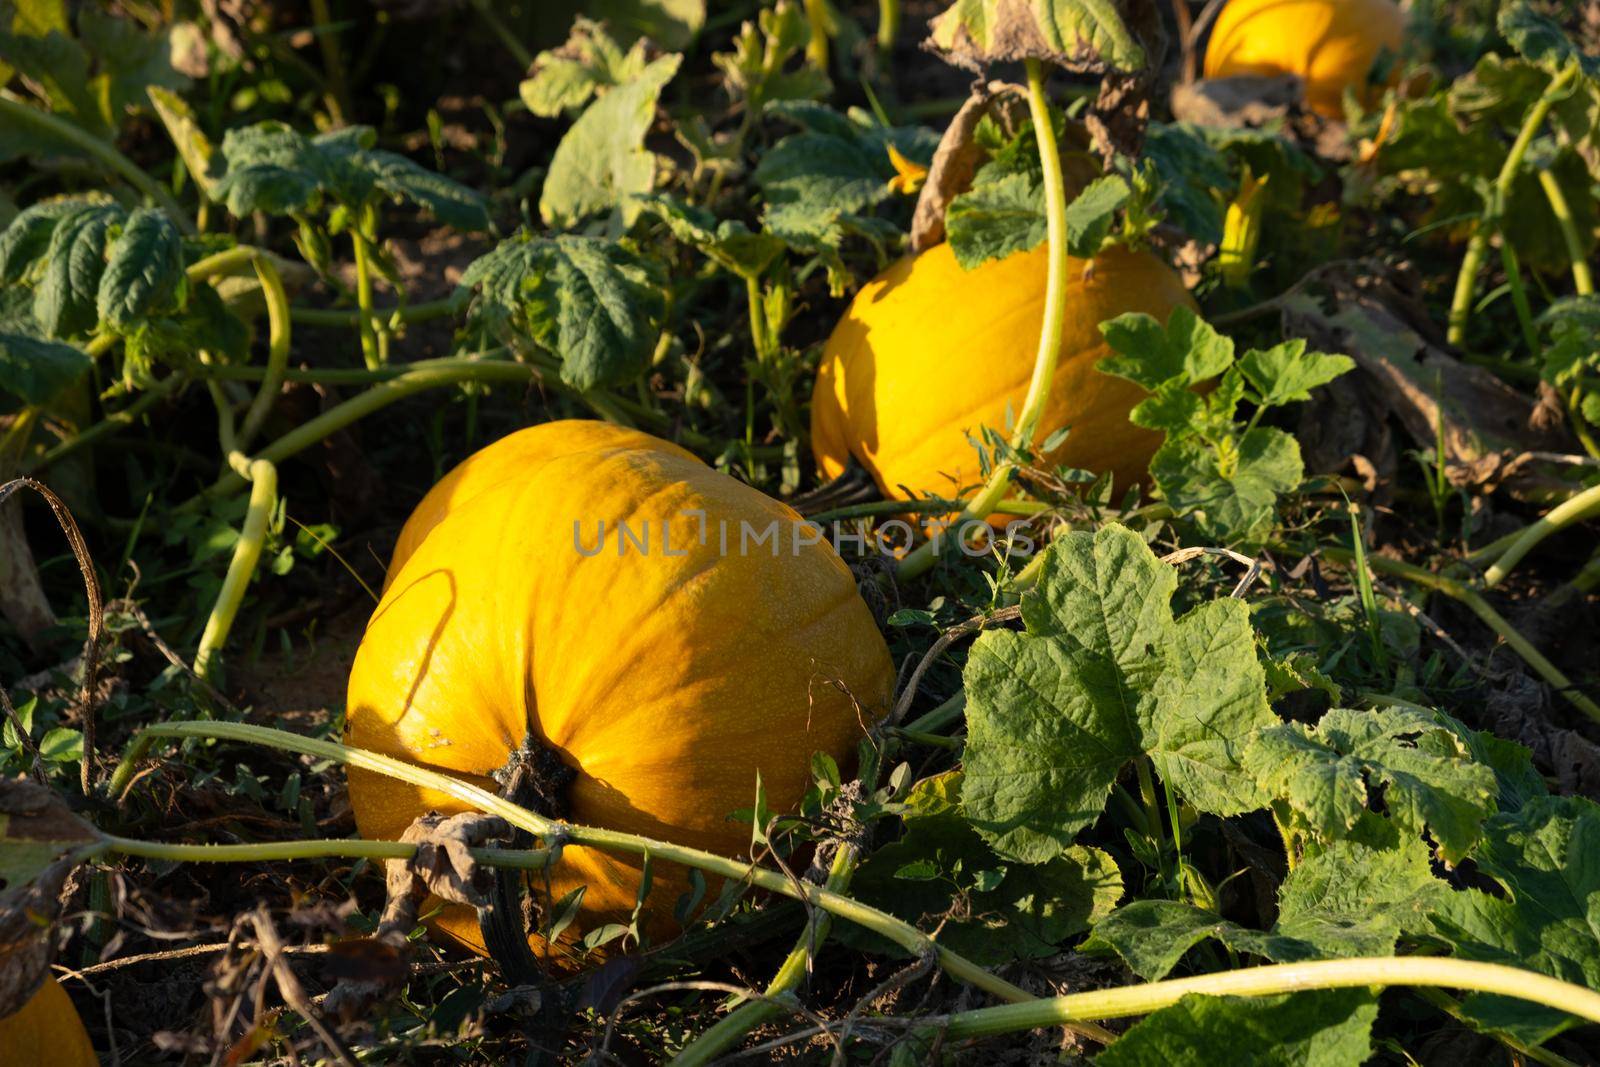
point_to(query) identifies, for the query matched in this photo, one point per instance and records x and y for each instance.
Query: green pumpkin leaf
(1211, 697)
(274, 169)
(602, 163)
(1011, 911)
(590, 62)
(1087, 36)
(447, 200)
(27, 239)
(59, 66)
(1194, 178)
(64, 300)
(836, 162)
(143, 272)
(270, 168)
(995, 219)
(1546, 858)
(1286, 373)
(1541, 40)
(729, 243)
(1149, 354)
(672, 24)
(1104, 674)
(1090, 215)
(1323, 1028)
(1335, 773)
(1232, 496)
(35, 370)
(1348, 900)
(592, 303)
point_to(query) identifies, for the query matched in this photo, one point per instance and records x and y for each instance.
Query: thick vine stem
(1425, 971)
(533, 859)
(224, 262)
(888, 25)
(1582, 279)
(14, 108)
(1585, 505)
(402, 385)
(982, 506)
(394, 383)
(242, 567)
(1480, 607)
(1467, 280)
(277, 350)
(726, 1032)
(350, 318)
(369, 332)
(900, 932)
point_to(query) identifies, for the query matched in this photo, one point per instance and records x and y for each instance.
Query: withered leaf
(1087, 36)
(41, 842)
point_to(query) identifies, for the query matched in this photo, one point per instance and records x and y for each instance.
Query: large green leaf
(1540, 39)
(840, 162)
(590, 62)
(592, 303)
(672, 24)
(274, 169)
(26, 240)
(729, 243)
(602, 163)
(1151, 354)
(64, 300)
(1231, 496)
(996, 218)
(35, 370)
(403, 179)
(1336, 772)
(941, 874)
(1348, 900)
(144, 270)
(1546, 858)
(1104, 674)
(1325, 1028)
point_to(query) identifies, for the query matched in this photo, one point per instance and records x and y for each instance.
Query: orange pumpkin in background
(46, 1032)
(928, 353)
(667, 677)
(1331, 44)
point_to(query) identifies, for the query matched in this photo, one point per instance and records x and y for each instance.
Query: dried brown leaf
(1486, 423)
(41, 842)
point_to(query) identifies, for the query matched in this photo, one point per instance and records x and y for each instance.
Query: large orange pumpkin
(46, 1032)
(929, 353)
(1330, 44)
(667, 675)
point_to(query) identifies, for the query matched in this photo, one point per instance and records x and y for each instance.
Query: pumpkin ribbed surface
(1330, 44)
(668, 677)
(929, 353)
(47, 1032)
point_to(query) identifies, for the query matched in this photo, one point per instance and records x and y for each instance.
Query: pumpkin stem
(534, 777)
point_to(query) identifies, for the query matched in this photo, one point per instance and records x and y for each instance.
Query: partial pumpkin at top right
(1331, 44)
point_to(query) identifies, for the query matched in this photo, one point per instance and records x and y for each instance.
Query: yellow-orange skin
(47, 1032)
(929, 353)
(1330, 44)
(667, 681)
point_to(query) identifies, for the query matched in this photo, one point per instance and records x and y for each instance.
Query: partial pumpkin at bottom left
(46, 1032)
